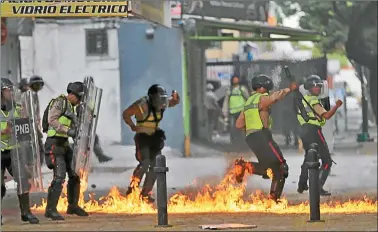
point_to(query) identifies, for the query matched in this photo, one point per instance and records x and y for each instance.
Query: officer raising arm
(59, 122)
(256, 122)
(149, 139)
(311, 132)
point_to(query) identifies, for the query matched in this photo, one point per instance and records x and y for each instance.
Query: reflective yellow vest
(62, 119)
(236, 103)
(5, 117)
(312, 100)
(252, 113)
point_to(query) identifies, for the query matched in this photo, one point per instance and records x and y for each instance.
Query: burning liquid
(225, 197)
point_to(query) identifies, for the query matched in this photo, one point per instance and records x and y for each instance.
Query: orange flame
(227, 196)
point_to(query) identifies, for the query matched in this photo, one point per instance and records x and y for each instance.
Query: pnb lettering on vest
(314, 120)
(22, 142)
(237, 101)
(252, 117)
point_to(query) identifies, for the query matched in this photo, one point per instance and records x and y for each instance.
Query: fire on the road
(225, 197)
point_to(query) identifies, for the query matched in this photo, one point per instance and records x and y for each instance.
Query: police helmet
(210, 86)
(262, 81)
(76, 88)
(36, 83)
(6, 83)
(312, 81)
(158, 96)
(23, 84)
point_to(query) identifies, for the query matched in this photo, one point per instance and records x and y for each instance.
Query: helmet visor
(36, 86)
(160, 101)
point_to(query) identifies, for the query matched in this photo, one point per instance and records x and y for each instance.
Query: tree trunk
(373, 89)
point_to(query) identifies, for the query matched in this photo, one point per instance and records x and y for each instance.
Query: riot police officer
(149, 138)
(256, 122)
(35, 84)
(61, 126)
(311, 131)
(10, 110)
(233, 104)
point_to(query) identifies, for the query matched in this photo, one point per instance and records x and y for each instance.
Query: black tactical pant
(270, 156)
(147, 148)
(313, 134)
(59, 157)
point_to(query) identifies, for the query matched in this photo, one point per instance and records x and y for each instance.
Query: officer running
(61, 125)
(256, 122)
(35, 84)
(149, 138)
(7, 113)
(311, 132)
(233, 104)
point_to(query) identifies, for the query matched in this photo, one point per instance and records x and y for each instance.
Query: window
(96, 42)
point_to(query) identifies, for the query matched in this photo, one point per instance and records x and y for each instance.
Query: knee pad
(284, 168)
(57, 183)
(145, 165)
(3, 191)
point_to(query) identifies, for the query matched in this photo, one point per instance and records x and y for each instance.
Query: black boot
(324, 173)
(52, 202)
(26, 214)
(276, 189)
(302, 187)
(102, 158)
(73, 193)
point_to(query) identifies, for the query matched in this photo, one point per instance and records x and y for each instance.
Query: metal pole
(314, 191)
(162, 200)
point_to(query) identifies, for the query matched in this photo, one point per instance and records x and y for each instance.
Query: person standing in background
(233, 104)
(211, 104)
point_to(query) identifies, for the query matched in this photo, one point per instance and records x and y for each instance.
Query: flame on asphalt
(228, 196)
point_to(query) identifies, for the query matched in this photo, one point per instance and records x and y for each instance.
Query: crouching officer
(311, 132)
(149, 138)
(61, 118)
(256, 122)
(9, 111)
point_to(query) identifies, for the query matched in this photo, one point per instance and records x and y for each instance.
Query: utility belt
(155, 140)
(58, 141)
(266, 132)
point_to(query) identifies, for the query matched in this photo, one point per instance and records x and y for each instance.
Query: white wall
(59, 56)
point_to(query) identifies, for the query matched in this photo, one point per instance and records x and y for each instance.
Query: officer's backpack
(45, 123)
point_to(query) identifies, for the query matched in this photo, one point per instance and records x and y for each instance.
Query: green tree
(348, 26)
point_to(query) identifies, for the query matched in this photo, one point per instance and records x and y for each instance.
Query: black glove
(71, 133)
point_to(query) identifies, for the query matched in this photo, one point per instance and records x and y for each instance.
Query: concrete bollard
(162, 199)
(312, 161)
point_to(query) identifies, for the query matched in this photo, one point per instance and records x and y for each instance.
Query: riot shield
(26, 166)
(88, 112)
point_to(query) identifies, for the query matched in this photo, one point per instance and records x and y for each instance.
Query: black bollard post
(312, 161)
(162, 200)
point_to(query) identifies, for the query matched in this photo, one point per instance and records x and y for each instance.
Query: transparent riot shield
(88, 112)
(24, 145)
